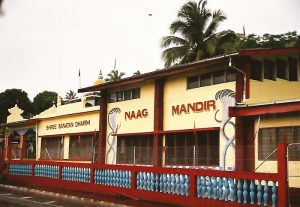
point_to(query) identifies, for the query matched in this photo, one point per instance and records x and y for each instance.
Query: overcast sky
(43, 43)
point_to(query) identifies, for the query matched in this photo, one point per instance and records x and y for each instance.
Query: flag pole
(79, 78)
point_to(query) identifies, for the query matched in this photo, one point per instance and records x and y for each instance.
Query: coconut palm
(114, 75)
(196, 36)
(71, 95)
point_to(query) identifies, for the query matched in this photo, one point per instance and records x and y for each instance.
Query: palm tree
(136, 73)
(71, 95)
(197, 38)
(114, 75)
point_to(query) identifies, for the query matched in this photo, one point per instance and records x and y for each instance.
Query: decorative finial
(100, 75)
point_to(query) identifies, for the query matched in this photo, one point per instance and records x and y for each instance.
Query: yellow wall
(271, 166)
(176, 93)
(144, 124)
(269, 91)
(76, 124)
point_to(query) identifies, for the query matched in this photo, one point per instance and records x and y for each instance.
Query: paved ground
(15, 196)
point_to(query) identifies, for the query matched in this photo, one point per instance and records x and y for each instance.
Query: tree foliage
(114, 75)
(43, 101)
(289, 39)
(196, 36)
(71, 95)
(10, 98)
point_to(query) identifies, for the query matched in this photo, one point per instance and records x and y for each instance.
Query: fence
(187, 187)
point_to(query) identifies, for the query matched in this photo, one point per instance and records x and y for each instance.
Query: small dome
(98, 82)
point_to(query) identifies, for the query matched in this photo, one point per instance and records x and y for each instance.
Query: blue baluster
(164, 183)
(239, 191)
(252, 194)
(232, 190)
(182, 187)
(214, 180)
(168, 183)
(226, 193)
(198, 186)
(266, 194)
(274, 194)
(220, 187)
(156, 183)
(152, 182)
(209, 187)
(172, 184)
(177, 183)
(187, 185)
(245, 192)
(203, 187)
(161, 183)
(138, 180)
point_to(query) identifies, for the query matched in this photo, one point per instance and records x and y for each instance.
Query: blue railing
(77, 174)
(117, 178)
(237, 190)
(49, 171)
(164, 183)
(20, 169)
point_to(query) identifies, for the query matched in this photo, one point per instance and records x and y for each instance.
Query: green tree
(136, 73)
(9, 98)
(43, 101)
(71, 95)
(114, 75)
(196, 36)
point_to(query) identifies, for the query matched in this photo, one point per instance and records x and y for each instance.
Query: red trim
(275, 108)
(168, 131)
(269, 51)
(102, 127)
(68, 134)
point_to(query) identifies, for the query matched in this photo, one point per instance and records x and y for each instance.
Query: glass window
(282, 69)
(218, 77)
(52, 148)
(112, 98)
(193, 82)
(136, 93)
(135, 150)
(230, 75)
(269, 70)
(256, 70)
(205, 80)
(81, 146)
(30, 145)
(293, 70)
(120, 96)
(199, 148)
(128, 94)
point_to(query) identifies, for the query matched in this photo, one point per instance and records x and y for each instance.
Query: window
(124, 95)
(211, 78)
(128, 95)
(205, 80)
(256, 70)
(282, 69)
(136, 93)
(52, 148)
(201, 148)
(269, 138)
(112, 98)
(135, 150)
(120, 96)
(30, 145)
(193, 82)
(230, 75)
(219, 77)
(269, 70)
(82, 147)
(293, 70)
(15, 146)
